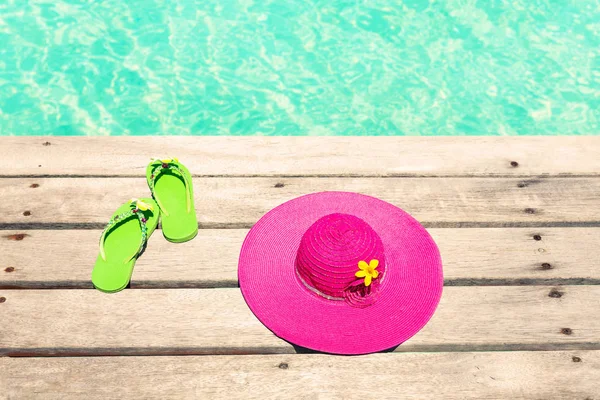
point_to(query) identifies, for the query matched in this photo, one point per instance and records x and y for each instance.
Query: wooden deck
(517, 221)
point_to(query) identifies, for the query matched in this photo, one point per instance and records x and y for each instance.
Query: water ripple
(312, 67)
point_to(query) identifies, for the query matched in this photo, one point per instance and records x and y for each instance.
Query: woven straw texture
(298, 261)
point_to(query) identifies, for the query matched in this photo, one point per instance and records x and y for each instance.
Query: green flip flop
(171, 185)
(122, 242)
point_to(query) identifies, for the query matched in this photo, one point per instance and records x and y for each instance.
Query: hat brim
(409, 293)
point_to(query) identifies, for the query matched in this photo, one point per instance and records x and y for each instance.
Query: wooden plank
(472, 256)
(323, 156)
(218, 321)
(240, 202)
(501, 375)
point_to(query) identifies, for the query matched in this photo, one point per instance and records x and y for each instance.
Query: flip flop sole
(178, 224)
(113, 273)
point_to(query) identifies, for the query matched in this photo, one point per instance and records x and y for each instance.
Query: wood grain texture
(240, 202)
(472, 256)
(323, 156)
(501, 375)
(218, 321)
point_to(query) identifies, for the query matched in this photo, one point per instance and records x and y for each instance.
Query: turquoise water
(299, 67)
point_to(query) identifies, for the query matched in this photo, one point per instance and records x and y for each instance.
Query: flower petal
(144, 206)
(374, 263)
(363, 265)
(375, 274)
(367, 280)
(360, 274)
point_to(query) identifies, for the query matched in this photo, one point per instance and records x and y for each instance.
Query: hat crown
(329, 255)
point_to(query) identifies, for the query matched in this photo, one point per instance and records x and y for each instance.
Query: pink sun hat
(341, 273)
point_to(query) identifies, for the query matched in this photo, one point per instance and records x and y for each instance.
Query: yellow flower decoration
(368, 271)
(140, 205)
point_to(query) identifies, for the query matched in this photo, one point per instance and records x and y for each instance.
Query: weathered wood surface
(235, 202)
(517, 221)
(472, 256)
(497, 375)
(218, 321)
(302, 156)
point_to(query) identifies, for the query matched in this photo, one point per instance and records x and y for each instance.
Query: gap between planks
(52, 226)
(283, 176)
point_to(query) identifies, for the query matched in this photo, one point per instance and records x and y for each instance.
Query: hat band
(317, 291)
(356, 296)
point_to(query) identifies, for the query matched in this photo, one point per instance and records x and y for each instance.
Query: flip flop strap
(122, 217)
(176, 168)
